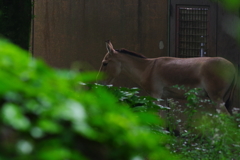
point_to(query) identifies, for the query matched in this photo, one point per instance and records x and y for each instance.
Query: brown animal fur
(215, 75)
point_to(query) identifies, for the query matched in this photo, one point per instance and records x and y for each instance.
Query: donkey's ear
(109, 47)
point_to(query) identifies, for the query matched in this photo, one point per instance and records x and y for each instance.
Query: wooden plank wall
(66, 31)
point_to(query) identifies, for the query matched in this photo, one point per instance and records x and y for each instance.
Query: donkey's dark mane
(124, 51)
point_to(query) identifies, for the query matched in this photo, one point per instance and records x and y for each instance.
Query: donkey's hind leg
(219, 105)
(216, 94)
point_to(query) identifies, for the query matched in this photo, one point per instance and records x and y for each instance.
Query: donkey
(216, 76)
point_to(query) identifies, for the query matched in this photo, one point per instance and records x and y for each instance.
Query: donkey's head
(110, 66)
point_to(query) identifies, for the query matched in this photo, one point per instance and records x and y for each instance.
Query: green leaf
(49, 125)
(14, 116)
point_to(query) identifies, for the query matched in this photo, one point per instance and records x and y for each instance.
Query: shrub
(209, 136)
(46, 114)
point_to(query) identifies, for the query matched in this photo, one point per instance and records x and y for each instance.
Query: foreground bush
(47, 115)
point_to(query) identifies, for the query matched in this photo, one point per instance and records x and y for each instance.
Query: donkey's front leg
(162, 113)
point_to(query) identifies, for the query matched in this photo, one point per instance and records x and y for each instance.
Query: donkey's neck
(135, 68)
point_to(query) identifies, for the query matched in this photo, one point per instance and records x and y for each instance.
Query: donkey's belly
(172, 93)
(179, 93)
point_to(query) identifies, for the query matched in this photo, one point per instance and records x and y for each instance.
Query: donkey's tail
(229, 102)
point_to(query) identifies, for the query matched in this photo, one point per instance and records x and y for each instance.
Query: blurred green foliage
(47, 114)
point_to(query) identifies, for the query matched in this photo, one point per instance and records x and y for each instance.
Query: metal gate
(192, 31)
(192, 28)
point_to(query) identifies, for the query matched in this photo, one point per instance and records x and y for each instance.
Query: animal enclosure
(66, 32)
